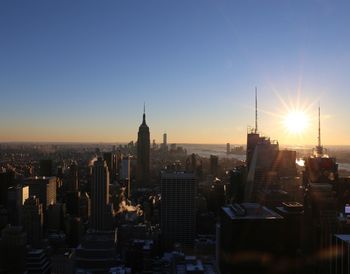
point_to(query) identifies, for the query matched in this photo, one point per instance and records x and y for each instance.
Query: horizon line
(127, 142)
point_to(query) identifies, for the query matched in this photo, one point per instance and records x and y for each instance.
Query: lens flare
(296, 122)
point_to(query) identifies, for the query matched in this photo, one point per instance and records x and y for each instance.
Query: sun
(296, 122)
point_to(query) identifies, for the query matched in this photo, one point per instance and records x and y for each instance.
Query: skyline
(80, 72)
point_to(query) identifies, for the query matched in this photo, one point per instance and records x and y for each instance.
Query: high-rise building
(178, 190)
(165, 142)
(143, 154)
(100, 210)
(96, 253)
(43, 188)
(73, 178)
(33, 219)
(45, 167)
(164, 139)
(245, 234)
(6, 180)
(127, 172)
(16, 197)
(110, 159)
(214, 165)
(13, 249)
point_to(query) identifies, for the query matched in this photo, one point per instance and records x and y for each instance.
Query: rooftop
(250, 211)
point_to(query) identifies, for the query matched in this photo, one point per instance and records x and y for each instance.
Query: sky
(80, 71)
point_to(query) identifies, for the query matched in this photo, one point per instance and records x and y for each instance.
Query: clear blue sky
(81, 70)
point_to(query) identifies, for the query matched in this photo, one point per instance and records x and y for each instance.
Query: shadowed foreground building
(101, 214)
(248, 236)
(178, 190)
(13, 250)
(96, 253)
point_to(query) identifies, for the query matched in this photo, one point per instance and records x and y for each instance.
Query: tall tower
(100, 196)
(319, 148)
(178, 220)
(253, 137)
(143, 152)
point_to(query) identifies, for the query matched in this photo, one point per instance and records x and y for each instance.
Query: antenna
(319, 148)
(256, 109)
(319, 125)
(144, 113)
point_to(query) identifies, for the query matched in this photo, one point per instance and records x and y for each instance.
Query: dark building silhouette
(247, 234)
(111, 161)
(214, 165)
(237, 180)
(16, 197)
(43, 188)
(33, 220)
(143, 154)
(340, 254)
(73, 177)
(320, 179)
(7, 180)
(96, 253)
(165, 143)
(13, 250)
(178, 190)
(100, 209)
(37, 261)
(194, 165)
(45, 167)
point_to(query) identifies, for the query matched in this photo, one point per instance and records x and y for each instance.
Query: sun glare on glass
(296, 122)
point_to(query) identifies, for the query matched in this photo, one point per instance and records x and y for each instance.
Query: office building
(245, 234)
(100, 208)
(73, 177)
(165, 143)
(96, 253)
(143, 154)
(178, 191)
(15, 201)
(44, 188)
(33, 219)
(111, 161)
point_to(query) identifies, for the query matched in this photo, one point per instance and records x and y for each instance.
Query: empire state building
(143, 152)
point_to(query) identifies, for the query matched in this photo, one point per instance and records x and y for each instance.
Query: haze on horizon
(80, 72)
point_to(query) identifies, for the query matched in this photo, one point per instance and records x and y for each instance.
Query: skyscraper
(73, 177)
(100, 210)
(43, 188)
(143, 153)
(16, 197)
(165, 142)
(33, 220)
(178, 191)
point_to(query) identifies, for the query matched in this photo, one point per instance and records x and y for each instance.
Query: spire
(256, 110)
(144, 113)
(319, 125)
(319, 148)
